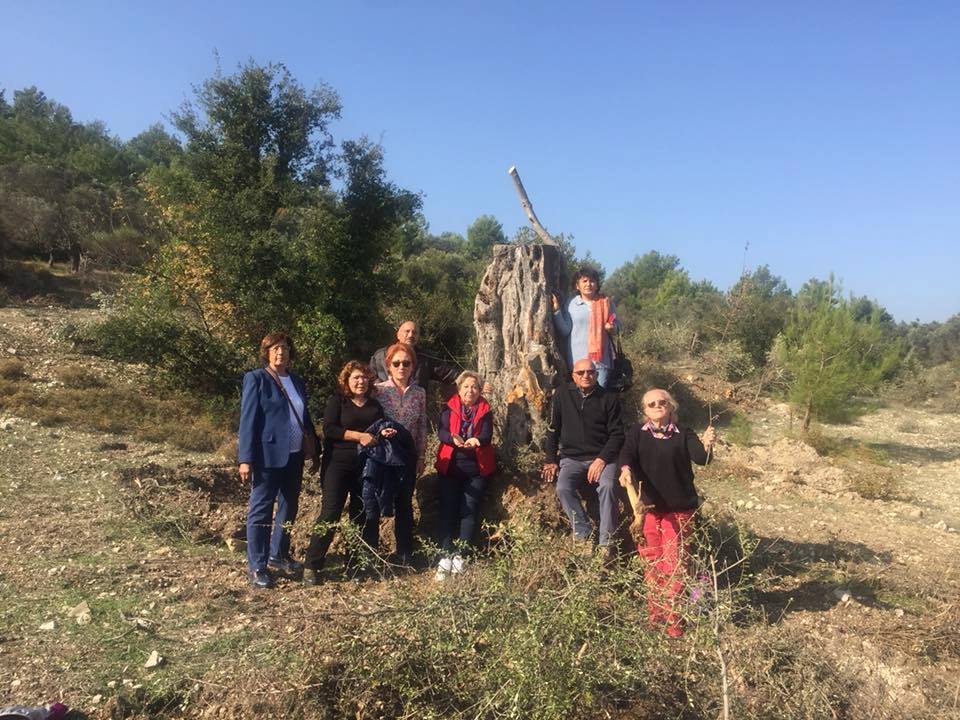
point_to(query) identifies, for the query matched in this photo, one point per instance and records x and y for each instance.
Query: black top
(428, 368)
(584, 427)
(340, 415)
(662, 465)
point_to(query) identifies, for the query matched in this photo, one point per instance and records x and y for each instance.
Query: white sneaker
(444, 569)
(456, 565)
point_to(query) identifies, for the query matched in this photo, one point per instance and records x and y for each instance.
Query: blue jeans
(269, 485)
(601, 498)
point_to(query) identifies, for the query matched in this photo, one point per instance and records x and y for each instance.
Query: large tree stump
(517, 352)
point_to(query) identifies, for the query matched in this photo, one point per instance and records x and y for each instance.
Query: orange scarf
(599, 316)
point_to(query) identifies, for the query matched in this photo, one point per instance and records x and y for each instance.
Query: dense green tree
(756, 311)
(831, 355)
(255, 236)
(483, 234)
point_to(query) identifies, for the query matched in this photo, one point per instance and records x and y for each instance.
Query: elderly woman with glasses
(406, 404)
(276, 435)
(465, 459)
(658, 454)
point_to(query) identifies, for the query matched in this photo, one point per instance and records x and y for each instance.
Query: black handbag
(620, 377)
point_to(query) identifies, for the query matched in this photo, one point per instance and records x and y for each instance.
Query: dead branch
(528, 208)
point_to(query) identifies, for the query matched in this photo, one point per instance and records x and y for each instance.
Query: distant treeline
(250, 216)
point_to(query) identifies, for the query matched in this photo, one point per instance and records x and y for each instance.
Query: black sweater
(663, 467)
(340, 415)
(584, 428)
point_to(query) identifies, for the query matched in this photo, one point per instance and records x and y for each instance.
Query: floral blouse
(408, 408)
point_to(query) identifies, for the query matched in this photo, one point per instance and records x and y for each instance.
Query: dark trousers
(340, 480)
(403, 517)
(267, 534)
(460, 496)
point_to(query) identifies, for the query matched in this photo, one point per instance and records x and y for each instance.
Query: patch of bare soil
(877, 578)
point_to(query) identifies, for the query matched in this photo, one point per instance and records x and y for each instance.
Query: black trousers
(341, 480)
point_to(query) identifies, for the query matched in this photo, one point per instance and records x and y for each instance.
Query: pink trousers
(666, 551)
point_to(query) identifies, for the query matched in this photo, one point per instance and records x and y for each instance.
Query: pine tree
(831, 355)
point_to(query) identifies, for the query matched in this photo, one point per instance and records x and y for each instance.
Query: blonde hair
(466, 375)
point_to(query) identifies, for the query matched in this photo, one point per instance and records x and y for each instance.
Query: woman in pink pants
(658, 454)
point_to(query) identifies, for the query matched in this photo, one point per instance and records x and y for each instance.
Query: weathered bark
(517, 353)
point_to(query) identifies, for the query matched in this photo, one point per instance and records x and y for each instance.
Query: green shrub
(740, 430)
(530, 632)
(729, 360)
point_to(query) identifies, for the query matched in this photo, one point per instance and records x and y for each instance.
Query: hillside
(846, 603)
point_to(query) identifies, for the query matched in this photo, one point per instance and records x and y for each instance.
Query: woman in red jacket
(465, 459)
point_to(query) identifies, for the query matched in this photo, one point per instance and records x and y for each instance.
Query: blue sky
(825, 135)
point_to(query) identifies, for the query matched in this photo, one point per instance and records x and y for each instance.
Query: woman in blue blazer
(276, 432)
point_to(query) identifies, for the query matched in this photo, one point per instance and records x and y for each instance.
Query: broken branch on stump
(528, 207)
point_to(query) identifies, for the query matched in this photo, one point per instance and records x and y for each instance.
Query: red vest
(486, 457)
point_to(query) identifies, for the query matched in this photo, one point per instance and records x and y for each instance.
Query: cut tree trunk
(517, 352)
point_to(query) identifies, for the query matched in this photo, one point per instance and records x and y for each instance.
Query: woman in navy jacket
(275, 433)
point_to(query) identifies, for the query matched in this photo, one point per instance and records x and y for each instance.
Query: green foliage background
(251, 216)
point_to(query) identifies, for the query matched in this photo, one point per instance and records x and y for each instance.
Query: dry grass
(87, 402)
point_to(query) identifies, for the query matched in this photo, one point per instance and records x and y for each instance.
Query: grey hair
(674, 405)
(466, 375)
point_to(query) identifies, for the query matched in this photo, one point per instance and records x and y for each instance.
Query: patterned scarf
(599, 316)
(660, 433)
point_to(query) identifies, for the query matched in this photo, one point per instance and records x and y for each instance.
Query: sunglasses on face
(658, 403)
(581, 373)
(398, 363)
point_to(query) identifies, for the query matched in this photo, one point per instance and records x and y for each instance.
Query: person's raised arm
(695, 448)
(561, 317)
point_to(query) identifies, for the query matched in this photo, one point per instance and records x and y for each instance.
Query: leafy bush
(531, 632)
(740, 430)
(729, 360)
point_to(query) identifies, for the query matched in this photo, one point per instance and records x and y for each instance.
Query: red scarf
(599, 317)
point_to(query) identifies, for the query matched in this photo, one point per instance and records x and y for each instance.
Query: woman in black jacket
(657, 454)
(349, 412)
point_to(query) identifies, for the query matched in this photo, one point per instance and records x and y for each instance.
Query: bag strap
(276, 379)
(617, 347)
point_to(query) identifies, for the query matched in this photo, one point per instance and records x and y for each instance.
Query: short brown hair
(275, 338)
(343, 378)
(400, 347)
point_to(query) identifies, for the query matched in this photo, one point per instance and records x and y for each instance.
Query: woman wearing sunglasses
(658, 454)
(406, 404)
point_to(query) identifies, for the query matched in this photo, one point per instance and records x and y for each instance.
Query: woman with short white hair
(658, 454)
(465, 459)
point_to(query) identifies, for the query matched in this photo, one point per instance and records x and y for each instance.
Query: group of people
(374, 445)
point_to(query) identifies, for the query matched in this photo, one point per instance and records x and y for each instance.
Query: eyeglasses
(658, 403)
(398, 363)
(581, 373)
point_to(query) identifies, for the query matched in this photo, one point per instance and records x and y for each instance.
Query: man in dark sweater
(582, 445)
(427, 368)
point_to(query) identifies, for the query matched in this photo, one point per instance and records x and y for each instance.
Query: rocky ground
(121, 580)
